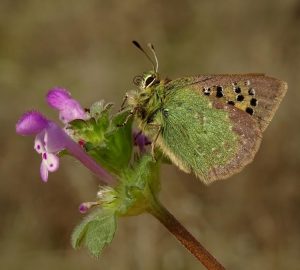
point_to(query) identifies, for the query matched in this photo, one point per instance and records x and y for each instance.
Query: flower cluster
(87, 135)
(51, 138)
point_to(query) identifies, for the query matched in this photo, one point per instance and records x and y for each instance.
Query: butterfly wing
(212, 125)
(257, 94)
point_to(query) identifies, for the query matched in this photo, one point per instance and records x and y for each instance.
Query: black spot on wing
(253, 102)
(237, 90)
(249, 110)
(240, 98)
(251, 91)
(219, 92)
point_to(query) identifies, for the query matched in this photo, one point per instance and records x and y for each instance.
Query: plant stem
(184, 237)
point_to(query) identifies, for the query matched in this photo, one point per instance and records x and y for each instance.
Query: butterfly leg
(123, 102)
(131, 113)
(159, 127)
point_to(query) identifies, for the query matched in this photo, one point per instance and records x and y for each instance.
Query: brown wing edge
(249, 130)
(249, 138)
(280, 88)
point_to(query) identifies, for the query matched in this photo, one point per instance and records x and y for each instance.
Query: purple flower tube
(51, 139)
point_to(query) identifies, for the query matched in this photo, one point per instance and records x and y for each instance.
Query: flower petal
(51, 161)
(141, 140)
(83, 208)
(56, 97)
(71, 110)
(31, 123)
(55, 138)
(39, 144)
(44, 171)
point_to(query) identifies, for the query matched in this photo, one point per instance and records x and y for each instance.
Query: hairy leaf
(95, 232)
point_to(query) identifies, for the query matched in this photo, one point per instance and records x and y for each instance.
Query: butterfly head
(150, 78)
(146, 80)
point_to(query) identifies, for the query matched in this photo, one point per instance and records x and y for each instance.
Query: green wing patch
(209, 138)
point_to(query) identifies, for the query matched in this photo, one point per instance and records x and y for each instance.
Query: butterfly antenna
(136, 44)
(151, 47)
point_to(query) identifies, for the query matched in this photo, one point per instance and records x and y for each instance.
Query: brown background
(250, 221)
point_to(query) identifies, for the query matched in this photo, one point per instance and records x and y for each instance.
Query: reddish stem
(184, 237)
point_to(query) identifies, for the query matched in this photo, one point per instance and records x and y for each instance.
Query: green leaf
(80, 230)
(95, 232)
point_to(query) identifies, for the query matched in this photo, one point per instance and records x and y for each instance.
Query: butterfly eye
(149, 81)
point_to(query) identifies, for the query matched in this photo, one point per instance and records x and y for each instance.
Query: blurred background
(250, 221)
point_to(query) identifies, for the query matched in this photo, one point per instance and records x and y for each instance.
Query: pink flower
(69, 108)
(50, 140)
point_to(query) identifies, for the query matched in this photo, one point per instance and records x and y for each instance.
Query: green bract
(138, 176)
(137, 187)
(104, 140)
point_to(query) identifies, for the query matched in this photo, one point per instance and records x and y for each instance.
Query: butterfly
(209, 125)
